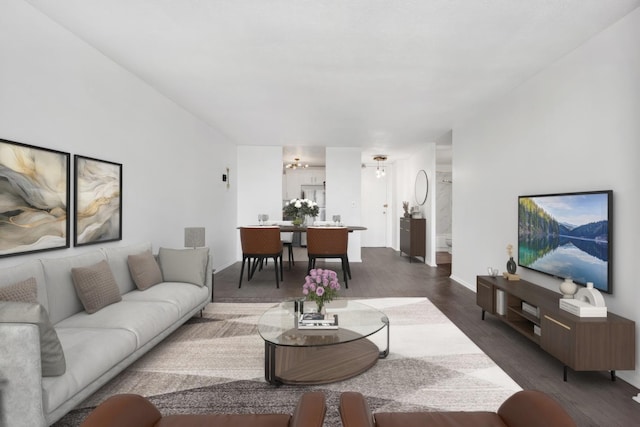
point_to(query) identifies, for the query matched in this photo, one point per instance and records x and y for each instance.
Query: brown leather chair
(132, 410)
(329, 242)
(258, 245)
(527, 408)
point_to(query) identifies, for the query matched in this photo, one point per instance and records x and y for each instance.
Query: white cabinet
(313, 176)
(293, 179)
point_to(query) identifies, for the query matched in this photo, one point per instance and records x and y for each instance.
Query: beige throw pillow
(144, 269)
(51, 354)
(95, 286)
(184, 265)
(24, 291)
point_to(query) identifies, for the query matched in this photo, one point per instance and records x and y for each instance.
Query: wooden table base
(322, 364)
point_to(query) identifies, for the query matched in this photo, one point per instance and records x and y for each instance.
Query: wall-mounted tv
(567, 236)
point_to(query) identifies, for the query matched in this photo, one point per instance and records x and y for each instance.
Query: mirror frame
(422, 180)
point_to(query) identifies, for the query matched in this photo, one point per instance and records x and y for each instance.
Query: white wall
(57, 92)
(572, 127)
(259, 184)
(343, 192)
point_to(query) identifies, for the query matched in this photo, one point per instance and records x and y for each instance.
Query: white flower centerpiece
(299, 208)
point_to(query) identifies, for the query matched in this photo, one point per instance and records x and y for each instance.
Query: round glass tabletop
(279, 324)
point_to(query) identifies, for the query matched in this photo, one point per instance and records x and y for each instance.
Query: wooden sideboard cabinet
(580, 343)
(413, 237)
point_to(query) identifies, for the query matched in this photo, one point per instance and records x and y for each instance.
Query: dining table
(303, 228)
(289, 228)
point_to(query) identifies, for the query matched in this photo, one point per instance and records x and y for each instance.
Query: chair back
(327, 240)
(260, 240)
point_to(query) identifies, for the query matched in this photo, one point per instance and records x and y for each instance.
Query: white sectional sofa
(96, 346)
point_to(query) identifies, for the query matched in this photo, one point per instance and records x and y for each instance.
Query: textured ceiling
(384, 75)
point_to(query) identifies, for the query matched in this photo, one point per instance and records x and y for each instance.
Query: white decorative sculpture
(587, 302)
(590, 295)
(568, 288)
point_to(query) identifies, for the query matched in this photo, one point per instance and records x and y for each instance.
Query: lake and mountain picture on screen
(566, 236)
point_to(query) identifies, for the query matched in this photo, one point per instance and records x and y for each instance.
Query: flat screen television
(567, 236)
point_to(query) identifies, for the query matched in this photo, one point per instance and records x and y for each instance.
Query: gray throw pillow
(51, 354)
(184, 265)
(95, 286)
(24, 291)
(144, 270)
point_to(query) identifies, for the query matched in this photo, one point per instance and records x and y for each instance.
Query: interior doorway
(375, 207)
(444, 206)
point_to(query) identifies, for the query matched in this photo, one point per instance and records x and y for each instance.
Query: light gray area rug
(216, 364)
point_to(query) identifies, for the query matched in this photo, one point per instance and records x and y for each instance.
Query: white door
(374, 208)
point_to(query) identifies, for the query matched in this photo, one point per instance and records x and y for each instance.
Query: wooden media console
(580, 343)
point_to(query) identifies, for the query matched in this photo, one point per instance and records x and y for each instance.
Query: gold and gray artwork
(33, 198)
(98, 201)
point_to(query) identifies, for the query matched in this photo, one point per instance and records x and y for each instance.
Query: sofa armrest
(20, 376)
(531, 408)
(310, 410)
(354, 410)
(123, 410)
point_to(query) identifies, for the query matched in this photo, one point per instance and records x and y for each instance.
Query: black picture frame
(35, 193)
(97, 201)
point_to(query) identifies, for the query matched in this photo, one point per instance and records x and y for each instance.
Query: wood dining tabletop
(303, 228)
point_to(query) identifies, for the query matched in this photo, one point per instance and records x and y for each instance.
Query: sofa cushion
(144, 320)
(63, 299)
(145, 270)
(91, 352)
(118, 257)
(184, 265)
(51, 354)
(184, 296)
(24, 271)
(95, 286)
(23, 291)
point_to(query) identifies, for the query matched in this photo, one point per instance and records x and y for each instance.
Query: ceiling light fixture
(380, 158)
(296, 164)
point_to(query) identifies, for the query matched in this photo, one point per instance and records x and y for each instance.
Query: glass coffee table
(310, 356)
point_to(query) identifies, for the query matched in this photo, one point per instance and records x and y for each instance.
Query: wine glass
(336, 219)
(259, 219)
(265, 218)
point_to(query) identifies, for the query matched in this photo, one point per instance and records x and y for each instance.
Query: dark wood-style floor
(591, 398)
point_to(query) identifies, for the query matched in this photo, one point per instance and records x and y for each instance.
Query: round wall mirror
(422, 187)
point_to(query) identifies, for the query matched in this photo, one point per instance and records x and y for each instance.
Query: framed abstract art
(98, 201)
(34, 199)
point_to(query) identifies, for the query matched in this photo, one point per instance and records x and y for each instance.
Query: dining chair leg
(256, 262)
(275, 261)
(291, 260)
(242, 271)
(281, 270)
(344, 272)
(348, 266)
